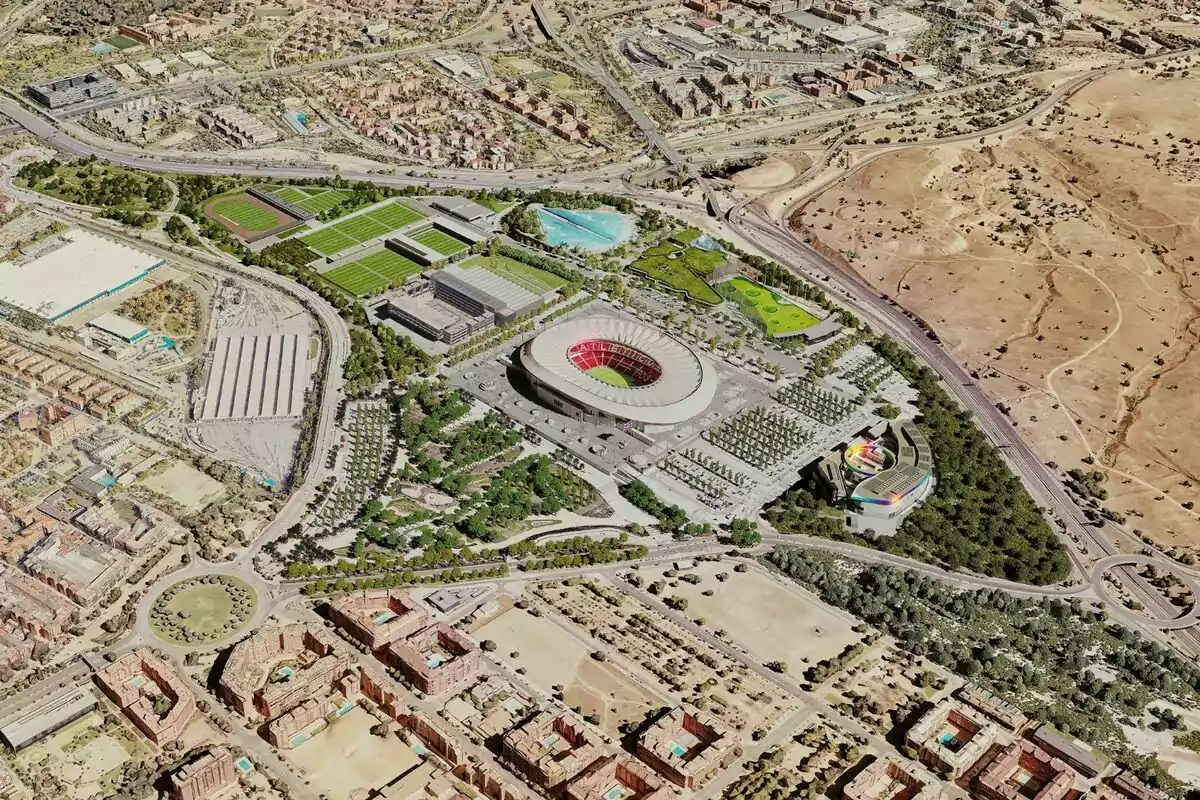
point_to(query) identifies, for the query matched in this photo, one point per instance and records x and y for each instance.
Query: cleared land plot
(664, 654)
(360, 228)
(552, 656)
(121, 42)
(442, 242)
(345, 757)
(248, 217)
(87, 756)
(184, 484)
(774, 622)
(778, 316)
(535, 280)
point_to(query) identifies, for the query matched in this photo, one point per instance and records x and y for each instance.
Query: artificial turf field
(373, 274)
(247, 216)
(360, 228)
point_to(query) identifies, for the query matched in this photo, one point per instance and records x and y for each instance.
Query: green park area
(538, 281)
(360, 228)
(440, 242)
(203, 609)
(94, 183)
(681, 267)
(776, 316)
(313, 199)
(373, 274)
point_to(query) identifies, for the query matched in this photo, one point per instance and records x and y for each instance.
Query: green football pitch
(360, 228)
(610, 376)
(440, 242)
(373, 274)
(245, 213)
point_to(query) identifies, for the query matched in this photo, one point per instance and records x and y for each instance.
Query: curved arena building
(606, 369)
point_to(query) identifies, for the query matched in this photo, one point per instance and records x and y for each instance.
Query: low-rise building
(206, 777)
(150, 693)
(436, 658)
(1081, 757)
(891, 777)
(550, 749)
(71, 90)
(75, 565)
(53, 714)
(951, 737)
(618, 776)
(994, 706)
(377, 617)
(1024, 771)
(686, 746)
(34, 607)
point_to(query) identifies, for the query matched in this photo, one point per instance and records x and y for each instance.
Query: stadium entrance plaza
(610, 448)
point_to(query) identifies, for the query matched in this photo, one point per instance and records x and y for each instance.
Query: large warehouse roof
(680, 384)
(76, 268)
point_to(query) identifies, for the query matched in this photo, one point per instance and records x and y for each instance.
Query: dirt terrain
(1058, 262)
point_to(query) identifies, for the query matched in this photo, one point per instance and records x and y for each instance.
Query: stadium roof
(685, 387)
(69, 271)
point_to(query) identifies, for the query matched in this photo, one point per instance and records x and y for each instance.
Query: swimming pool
(591, 230)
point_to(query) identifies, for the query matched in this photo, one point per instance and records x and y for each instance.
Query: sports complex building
(879, 479)
(69, 271)
(615, 370)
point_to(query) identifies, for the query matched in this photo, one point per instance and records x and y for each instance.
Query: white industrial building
(256, 375)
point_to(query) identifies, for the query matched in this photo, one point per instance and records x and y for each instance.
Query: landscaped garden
(203, 609)
(681, 267)
(774, 315)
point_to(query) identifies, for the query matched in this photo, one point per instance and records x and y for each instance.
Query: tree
(744, 533)
(777, 666)
(488, 646)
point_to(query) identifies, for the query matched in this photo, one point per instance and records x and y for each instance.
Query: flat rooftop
(256, 375)
(119, 326)
(486, 286)
(69, 271)
(48, 716)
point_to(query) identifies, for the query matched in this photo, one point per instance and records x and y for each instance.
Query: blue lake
(595, 231)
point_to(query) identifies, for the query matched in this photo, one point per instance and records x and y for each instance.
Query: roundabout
(202, 609)
(1104, 566)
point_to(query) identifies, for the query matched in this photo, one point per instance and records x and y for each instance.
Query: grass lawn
(441, 242)
(687, 235)
(244, 213)
(702, 262)
(396, 215)
(289, 194)
(778, 316)
(535, 280)
(205, 607)
(327, 241)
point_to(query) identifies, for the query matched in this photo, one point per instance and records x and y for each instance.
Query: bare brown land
(1059, 263)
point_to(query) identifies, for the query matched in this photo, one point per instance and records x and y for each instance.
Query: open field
(360, 228)
(1077, 236)
(84, 758)
(374, 273)
(184, 484)
(443, 243)
(662, 657)
(535, 280)
(770, 619)
(246, 216)
(552, 656)
(777, 316)
(345, 757)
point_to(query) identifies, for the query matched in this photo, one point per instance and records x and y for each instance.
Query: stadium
(606, 369)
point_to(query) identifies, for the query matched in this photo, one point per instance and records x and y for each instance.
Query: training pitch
(360, 228)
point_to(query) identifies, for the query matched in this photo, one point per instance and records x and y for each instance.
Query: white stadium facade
(613, 370)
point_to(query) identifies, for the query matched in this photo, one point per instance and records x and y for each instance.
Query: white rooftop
(74, 269)
(117, 325)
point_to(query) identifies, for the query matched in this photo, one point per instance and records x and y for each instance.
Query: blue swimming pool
(593, 230)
